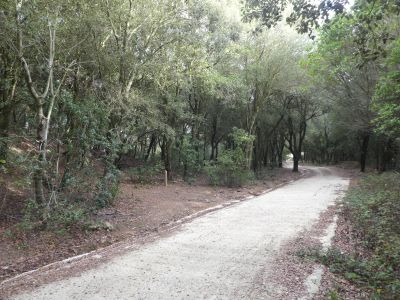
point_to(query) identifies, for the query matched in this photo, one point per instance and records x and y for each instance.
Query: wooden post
(166, 177)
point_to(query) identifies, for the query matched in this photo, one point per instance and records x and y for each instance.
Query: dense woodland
(88, 88)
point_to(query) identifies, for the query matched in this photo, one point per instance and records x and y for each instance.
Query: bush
(107, 188)
(67, 215)
(145, 174)
(62, 215)
(231, 168)
(374, 209)
(189, 154)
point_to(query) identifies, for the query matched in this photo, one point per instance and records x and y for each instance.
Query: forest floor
(139, 210)
(244, 251)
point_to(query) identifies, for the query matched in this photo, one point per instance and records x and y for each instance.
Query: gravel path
(216, 256)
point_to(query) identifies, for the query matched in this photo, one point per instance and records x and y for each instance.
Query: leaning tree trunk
(152, 143)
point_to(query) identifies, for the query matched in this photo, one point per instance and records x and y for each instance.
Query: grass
(373, 208)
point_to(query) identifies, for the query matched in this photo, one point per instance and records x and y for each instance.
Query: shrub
(107, 188)
(231, 168)
(145, 174)
(374, 209)
(67, 215)
(189, 154)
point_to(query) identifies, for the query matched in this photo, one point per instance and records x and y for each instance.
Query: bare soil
(228, 248)
(139, 210)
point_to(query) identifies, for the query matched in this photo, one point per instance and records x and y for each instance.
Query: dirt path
(216, 256)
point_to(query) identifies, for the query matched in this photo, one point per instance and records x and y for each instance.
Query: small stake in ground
(166, 177)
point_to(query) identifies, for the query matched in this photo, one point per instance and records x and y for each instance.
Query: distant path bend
(216, 256)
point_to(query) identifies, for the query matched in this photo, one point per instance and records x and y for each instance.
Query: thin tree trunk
(152, 142)
(41, 138)
(167, 158)
(364, 152)
(4, 131)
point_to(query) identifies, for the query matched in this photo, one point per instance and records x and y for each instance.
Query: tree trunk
(204, 148)
(167, 158)
(162, 146)
(41, 139)
(212, 155)
(4, 131)
(280, 154)
(280, 160)
(364, 151)
(296, 159)
(152, 142)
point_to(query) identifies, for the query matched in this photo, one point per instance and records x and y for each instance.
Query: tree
(44, 99)
(348, 81)
(301, 109)
(387, 95)
(9, 75)
(305, 15)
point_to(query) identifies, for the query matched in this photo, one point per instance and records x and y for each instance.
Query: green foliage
(231, 168)
(31, 214)
(305, 15)
(173, 86)
(333, 295)
(107, 188)
(387, 95)
(66, 215)
(63, 215)
(190, 157)
(85, 127)
(373, 208)
(356, 61)
(145, 174)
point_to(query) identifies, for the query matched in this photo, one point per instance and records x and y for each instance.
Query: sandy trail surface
(216, 256)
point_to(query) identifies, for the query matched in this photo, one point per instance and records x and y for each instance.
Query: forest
(225, 89)
(186, 86)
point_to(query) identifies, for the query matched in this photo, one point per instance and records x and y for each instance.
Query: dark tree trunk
(212, 155)
(280, 154)
(296, 163)
(204, 149)
(280, 161)
(213, 135)
(167, 158)
(4, 131)
(265, 159)
(151, 145)
(364, 152)
(162, 146)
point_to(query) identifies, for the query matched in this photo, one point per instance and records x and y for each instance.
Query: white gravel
(216, 256)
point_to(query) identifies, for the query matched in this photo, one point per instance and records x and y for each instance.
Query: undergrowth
(231, 167)
(373, 208)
